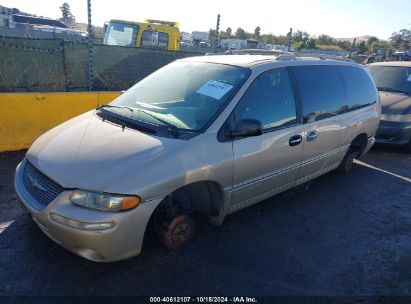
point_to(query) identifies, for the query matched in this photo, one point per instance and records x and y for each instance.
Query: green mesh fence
(31, 65)
(52, 65)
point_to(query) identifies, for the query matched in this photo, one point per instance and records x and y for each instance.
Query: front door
(269, 163)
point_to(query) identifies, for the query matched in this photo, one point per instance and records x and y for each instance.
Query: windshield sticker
(409, 78)
(214, 89)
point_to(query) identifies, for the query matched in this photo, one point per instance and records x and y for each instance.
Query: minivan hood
(90, 154)
(395, 103)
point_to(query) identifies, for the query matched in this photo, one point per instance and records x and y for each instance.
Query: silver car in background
(393, 80)
(208, 135)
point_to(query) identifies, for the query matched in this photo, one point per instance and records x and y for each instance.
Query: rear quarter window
(359, 87)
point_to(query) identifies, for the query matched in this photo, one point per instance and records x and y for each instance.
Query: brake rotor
(177, 232)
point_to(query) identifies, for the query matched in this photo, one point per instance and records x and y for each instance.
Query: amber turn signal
(129, 202)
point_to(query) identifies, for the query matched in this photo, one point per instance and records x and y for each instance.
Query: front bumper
(122, 241)
(392, 132)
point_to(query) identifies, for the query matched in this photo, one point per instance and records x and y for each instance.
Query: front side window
(322, 91)
(122, 34)
(392, 78)
(185, 94)
(269, 99)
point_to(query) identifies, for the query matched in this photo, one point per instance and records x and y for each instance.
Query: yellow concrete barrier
(25, 116)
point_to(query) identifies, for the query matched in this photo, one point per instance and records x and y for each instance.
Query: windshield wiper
(172, 129)
(387, 89)
(124, 120)
(114, 106)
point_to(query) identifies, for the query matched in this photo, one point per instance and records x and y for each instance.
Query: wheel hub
(177, 232)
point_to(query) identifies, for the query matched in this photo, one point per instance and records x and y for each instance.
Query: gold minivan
(208, 135)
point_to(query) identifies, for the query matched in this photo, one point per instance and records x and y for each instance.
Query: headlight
(103, 201)
(396, 117)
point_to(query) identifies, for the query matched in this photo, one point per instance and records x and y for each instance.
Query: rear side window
(154, 39)
(162, 40)
(359, 87)
(322, 91)
(269, 99)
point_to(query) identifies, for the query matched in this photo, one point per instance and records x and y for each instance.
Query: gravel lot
(338, 235)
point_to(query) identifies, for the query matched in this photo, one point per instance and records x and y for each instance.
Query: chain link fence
(33, 64)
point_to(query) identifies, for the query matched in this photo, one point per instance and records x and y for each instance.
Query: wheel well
(358, 144)
(204, 197)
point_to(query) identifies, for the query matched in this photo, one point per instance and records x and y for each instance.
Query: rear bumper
(123, 240)
(390, 132)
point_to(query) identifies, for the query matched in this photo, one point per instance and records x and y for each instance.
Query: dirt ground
(338, 235)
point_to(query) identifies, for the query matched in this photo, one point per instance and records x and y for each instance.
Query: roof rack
(256, 52)
(297, 56)
(284, 55)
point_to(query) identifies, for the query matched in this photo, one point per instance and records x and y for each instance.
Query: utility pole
(90, 47)
(290, 35)
(352, 48)
(216, 33)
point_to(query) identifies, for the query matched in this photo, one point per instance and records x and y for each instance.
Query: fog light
(81, 225)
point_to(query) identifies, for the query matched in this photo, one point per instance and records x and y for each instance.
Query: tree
(326, 40)
(282, 39)
(223, 35)
(240, 34)
(299, 36)
(361, 47)
(401, 40)
(67, 17)
(310, 44)
(298, 46)
(371, 40)
(257, 32)
(267, 38)
(376, 45)
(344, 45)
(229, 32)
(272, 39)
(211, 34)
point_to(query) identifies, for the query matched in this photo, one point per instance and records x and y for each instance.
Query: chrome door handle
(295, 140)
(311, 136)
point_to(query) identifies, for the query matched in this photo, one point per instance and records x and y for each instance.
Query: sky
(340, 19)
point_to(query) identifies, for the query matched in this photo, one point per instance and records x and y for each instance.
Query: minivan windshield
(392, 78)
(185, 95)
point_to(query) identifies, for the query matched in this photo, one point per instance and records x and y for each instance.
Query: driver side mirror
(246, 128)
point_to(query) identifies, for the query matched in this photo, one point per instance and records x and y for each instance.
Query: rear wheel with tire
(347, 162)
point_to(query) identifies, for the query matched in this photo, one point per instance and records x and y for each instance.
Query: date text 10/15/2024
(203, 300)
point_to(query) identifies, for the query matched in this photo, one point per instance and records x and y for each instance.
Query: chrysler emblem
(35, 183)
